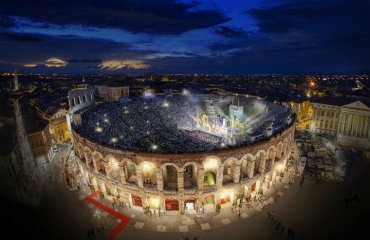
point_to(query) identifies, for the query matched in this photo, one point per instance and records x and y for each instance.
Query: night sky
(165, 36)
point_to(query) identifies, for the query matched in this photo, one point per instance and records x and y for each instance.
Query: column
(122, 174)
(220, 176)
(262, 163)
(139, 177)
(200, 179)
(273, 159)
(366, 127)
(108, 170)
(159, 175)
(180, 180)
(250, 168)
(236, 174)
(96, 162)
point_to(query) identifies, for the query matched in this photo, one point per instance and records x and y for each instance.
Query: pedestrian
(92, 232)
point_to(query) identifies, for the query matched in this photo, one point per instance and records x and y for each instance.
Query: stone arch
(190, 170)
(79, 151)
(245, 166)
(279, 151)
(87, 155)
(229, 166)
(271, 154)
(111, 166)
(211, 162)
(97, 159)
(148, 173)
(129, 169)
(259, 161)
(285, 147)
(169, 174)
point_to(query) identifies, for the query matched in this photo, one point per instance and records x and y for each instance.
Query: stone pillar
(139, 177)
(200, 179)
(96, 162)
(273, 159)
(181, 204)
(122, 174)
(108, 170)
(236, 174)
(220, 176)
(250, 168)
(262, 163)
(180, 180)
(159, 175)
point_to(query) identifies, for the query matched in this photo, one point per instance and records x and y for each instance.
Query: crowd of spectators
(158, 124)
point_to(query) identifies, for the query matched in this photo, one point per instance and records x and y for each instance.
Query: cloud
(230, 32)
(19, 37)
(295, 14)
(123, 64)
(162, 17)
(55, 62)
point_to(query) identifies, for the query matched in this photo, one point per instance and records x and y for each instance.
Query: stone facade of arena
(173, 182)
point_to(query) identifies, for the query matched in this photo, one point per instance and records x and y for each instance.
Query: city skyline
(134, 37)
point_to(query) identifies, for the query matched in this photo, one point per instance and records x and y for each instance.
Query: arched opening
(78, 100)
(88, 158)
(229, 168)
(130, 172)
(170, 178)
(209, 178)
(84, 98)
(257, 163)
(74, 101)
(113, 167)
(279, 151)
(270, 159)
(149, 174)
(246, 160)
(171, 204)
(190, 176)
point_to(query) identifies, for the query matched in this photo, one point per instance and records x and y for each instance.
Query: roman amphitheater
(183, 153)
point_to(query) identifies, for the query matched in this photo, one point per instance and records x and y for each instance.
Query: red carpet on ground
(123, 218)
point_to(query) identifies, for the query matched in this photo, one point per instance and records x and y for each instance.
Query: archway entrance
(171, 204)
(136, 200)
(209, 178)
(209, 203)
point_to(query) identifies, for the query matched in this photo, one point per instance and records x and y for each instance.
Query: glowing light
(30, 65)
(185, 92)
(123, 64)
(154, 202)
(165, 105)
(147, 166)
(223, 145)
(154, 147)
(55, 62)
(113, 140)
(106, 120)
(211, 163)
(98, 129)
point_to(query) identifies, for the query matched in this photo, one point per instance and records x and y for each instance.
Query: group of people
(279, 227)
(140, 125)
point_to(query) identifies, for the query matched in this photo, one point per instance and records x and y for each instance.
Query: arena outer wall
(139, 179)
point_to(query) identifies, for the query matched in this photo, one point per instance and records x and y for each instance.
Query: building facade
(347, 119)
(111, 94)
(182, 182)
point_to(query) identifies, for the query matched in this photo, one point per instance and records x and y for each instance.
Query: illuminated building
(345, 118)
(112, 93)
(164, 178)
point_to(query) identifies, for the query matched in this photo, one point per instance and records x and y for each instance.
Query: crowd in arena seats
(158, 124)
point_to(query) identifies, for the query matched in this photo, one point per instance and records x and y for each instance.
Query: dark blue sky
(206, 36)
